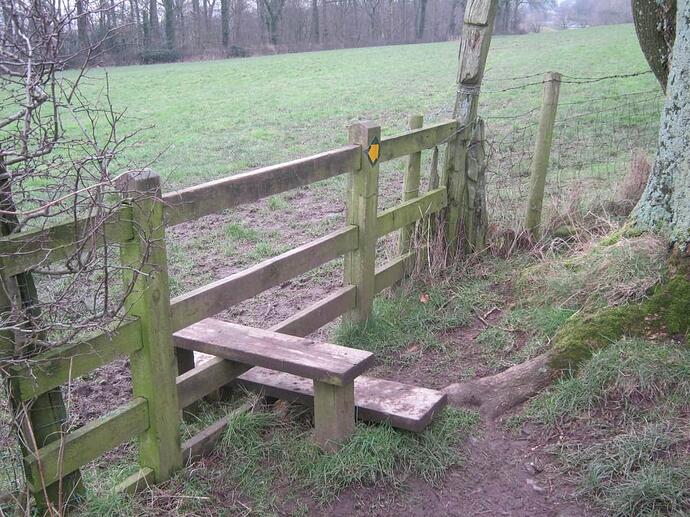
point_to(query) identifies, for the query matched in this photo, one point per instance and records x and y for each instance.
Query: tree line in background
(168, 30)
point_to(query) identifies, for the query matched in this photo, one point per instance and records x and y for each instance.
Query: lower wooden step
(376, 400)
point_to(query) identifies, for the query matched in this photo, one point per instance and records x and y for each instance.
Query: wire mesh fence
(596, 138)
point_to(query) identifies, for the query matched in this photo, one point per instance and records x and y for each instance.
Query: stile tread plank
(324, 362)
(376, 400)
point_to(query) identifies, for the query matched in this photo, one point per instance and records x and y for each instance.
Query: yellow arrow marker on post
(374, 151)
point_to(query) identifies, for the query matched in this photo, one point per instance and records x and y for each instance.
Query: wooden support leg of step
(334, 414)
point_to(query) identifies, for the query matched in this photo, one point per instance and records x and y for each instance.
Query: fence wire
(594, 141)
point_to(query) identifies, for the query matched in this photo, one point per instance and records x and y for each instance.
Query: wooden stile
(154, 368)
(362, 205)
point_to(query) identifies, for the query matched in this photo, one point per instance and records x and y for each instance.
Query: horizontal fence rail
(410, 211)
(214, 196)
(59, 365)
(417, 140)
(26, 250)
(87, 443)
(221, 294)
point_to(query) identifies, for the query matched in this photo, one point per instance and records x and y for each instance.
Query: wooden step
(376, 400)
(323, 362)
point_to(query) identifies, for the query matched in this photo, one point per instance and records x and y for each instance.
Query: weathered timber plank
(323, 362)
(214, 196)
(221, 294)
(26, 250)
(410, 211)
(202, 443)
(140, 480)
(413, 141)
(394, 271)
(215, 373)
(317, 315)
(87, 443)
(57, 366)
(376, 400)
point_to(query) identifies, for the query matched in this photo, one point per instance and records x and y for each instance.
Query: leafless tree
(60, 157)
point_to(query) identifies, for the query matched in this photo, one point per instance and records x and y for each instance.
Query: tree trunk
(154, 26)
(237, 21)
(225, 22)
(169, 24)
(665, 204)
(82, 25)
(315, 33)
(196, 9)
(655, 24)
(421, 20)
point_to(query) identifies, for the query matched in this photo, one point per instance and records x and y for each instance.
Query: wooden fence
(162, 387)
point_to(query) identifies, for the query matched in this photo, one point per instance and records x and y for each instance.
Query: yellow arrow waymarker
(374, 151)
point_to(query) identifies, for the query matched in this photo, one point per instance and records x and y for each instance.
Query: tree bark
(655, 24)
(665, 204)
(421, 20)
(154, 27)
(225, 22)
(82, 25)
(169, 24)
(315, 33)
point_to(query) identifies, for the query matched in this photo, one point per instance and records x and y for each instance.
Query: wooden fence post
(411, 183)
(465, 217)
(362, 206)
(154, 368)
(542, 152)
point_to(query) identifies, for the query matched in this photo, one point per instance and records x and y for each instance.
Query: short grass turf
(215, 118)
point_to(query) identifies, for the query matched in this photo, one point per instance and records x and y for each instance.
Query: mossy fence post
(411, 183)
(542, 152)
(466, 218)
(154, 367)
(362, 206)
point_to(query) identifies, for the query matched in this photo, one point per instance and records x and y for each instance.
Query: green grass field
(216, 118)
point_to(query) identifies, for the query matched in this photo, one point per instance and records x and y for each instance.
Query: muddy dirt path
(504, 475)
